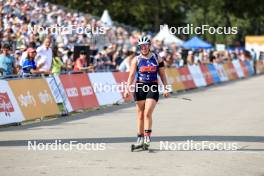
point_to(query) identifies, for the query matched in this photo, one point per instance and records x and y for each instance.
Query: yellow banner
(174, 79)
(34, 98)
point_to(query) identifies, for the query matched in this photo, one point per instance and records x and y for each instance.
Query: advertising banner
(186, 78)
(79, 91)
(9, 109)
(34, 98)
(121, 80)
(221, 72)
(174, 79)
(206, 74)
(197, 75)
(214, 73)
(104, 85)
(238, 68)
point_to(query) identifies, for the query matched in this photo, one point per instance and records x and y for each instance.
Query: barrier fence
(32, 98)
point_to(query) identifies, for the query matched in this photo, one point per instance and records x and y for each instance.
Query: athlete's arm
(131, 76)
(163, 76)
(132, 72)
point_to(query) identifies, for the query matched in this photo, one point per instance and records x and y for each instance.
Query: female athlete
(148, 66)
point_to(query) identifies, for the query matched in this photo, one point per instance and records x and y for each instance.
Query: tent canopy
(106, 19)
(165, 35)
(196, 43)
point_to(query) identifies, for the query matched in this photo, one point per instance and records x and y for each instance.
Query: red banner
(244, 68)
(207, 74)
(186, 77)
(5, 103)
(79, 91)
(232, 71)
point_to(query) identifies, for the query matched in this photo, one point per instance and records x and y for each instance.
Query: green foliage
(248, 16)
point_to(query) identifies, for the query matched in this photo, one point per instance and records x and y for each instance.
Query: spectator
(29, 66)
(81, 63)
(18, 58)
(68, 60)
(102, 62)
(57, 63)
(126, 64)
(44, 56)
(7, 62)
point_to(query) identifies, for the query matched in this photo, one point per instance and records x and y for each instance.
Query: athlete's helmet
(143, 40)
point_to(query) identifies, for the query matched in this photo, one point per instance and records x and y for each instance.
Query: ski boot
(147, 139)
(146, 144)
(139, 143)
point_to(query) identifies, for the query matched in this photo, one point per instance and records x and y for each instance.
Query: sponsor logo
(27, 100)
(5, 104)
(86, 91)
(148, 69)
(44, 97)
(72, 92)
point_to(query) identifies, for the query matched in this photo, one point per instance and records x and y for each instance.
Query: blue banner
(214, 73)
(250, 68)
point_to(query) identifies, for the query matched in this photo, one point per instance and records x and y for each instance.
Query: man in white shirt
(44, 56)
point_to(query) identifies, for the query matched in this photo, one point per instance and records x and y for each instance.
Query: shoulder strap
(156, 57)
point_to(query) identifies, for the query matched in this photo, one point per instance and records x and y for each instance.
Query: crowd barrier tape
(28, 99)
(9, 109)
(174, 79)
(34, 98)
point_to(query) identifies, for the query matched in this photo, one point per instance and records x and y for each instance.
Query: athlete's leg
(140, 116)
(149, 108)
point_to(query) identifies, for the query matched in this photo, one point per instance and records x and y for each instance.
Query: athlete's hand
(126, 94)
(166, 93)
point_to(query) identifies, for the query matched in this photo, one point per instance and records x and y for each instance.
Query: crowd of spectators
(28, 49)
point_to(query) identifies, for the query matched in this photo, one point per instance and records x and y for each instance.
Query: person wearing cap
(148, 65)
(29, 65)
(7, 62)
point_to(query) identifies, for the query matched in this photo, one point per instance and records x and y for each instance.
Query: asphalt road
(230, 114)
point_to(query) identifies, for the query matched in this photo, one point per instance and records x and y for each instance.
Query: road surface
(231, 114)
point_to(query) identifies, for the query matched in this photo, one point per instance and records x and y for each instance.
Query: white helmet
(143, 40)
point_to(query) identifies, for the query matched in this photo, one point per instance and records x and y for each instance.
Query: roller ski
(146, 143)
(139, 144)
(142, 142)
